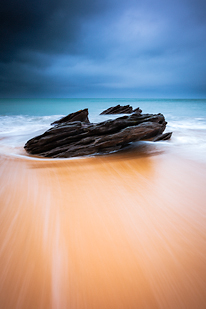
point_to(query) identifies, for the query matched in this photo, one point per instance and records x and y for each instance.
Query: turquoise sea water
(46, 107)
(21, 119)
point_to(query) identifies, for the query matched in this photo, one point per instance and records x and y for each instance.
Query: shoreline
(116, 231)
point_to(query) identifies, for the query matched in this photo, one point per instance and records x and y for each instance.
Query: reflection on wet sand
(121, 231)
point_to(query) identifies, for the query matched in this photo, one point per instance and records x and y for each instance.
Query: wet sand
(122, 231)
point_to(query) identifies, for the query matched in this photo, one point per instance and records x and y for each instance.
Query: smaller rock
(118, 109)
(81, 115)
(137, 110)
(162, 137)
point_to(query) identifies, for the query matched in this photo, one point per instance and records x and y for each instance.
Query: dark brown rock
(118, 109)
(81, 115)
(137, 110)
(78, 138)
(162, 137)
(127, 109)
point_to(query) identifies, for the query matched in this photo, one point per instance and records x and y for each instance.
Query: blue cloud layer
(103, 48)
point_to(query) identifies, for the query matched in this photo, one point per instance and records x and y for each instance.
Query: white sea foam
(16, 130)
(21, 124)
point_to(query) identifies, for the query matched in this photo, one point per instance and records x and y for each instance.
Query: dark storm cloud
(48, 25)
(103, 48)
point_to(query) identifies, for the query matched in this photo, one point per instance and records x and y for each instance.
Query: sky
(103, 48)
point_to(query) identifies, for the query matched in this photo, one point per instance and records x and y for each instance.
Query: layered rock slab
(78, 138)
(81, 115)
(119, 109)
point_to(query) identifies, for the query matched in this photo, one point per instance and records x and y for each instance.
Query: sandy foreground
(122, 231)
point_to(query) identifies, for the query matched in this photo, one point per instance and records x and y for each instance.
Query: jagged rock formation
(70, 137)
(118, 109)
(81, 115)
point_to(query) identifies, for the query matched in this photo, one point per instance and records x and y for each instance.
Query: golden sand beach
(121, 231)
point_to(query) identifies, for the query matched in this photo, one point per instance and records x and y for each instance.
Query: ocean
(22, 119)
